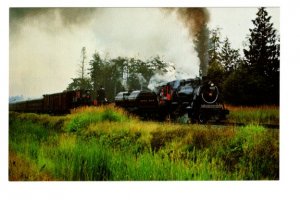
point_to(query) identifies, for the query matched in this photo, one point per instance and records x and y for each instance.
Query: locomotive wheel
(168, 118)
(202, 119)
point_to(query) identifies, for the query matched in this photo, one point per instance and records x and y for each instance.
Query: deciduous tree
(82, 82)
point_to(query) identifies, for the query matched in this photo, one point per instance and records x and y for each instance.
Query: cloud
(45, 43)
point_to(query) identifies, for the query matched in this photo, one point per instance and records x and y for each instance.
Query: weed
(106, 143)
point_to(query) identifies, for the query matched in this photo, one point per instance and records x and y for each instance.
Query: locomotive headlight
(212, 85)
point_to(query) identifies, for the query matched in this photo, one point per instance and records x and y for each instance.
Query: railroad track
(271, 126)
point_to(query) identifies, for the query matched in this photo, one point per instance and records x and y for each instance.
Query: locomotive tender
(199, 99)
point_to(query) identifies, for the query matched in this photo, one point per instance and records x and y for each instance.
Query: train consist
(200, 100)
(58, 103)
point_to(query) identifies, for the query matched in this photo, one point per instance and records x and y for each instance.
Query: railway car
(34, 106)
(57, 103)
(65, 101)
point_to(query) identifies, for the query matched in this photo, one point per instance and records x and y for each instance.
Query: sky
(45, 45)
(236, 21)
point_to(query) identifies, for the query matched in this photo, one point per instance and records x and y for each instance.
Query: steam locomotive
(199, 99)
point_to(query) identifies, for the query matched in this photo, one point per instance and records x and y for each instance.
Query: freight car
(34, 106)
(58, 103)
(199, 99)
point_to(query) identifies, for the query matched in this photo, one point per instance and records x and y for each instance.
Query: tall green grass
(82, 118)
(107, 144)
(254, 115)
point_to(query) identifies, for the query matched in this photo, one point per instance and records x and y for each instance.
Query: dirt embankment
(22, 170)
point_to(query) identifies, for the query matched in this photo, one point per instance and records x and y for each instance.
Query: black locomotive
(199, 99)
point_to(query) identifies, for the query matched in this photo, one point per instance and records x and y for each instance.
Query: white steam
(45, 51)
(170, 75)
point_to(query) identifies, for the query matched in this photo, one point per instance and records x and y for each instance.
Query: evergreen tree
(80, 84)
(262, 56)
(263, 53)
(106, 73)
(113, 78)
(256, 81)
(230, 58)
(215, 71)
(97, 71)
(214, 50)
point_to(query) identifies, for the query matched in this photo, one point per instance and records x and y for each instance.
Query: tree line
(117, 74)
(252, 79)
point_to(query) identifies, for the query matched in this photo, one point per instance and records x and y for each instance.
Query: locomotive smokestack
(196, 19)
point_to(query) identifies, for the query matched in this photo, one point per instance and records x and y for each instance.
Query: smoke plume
(193, 18)
(196, 19)
(68, 16)
(46, 43)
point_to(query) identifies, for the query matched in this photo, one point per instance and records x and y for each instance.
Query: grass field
(254, 115)
(106, 143)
